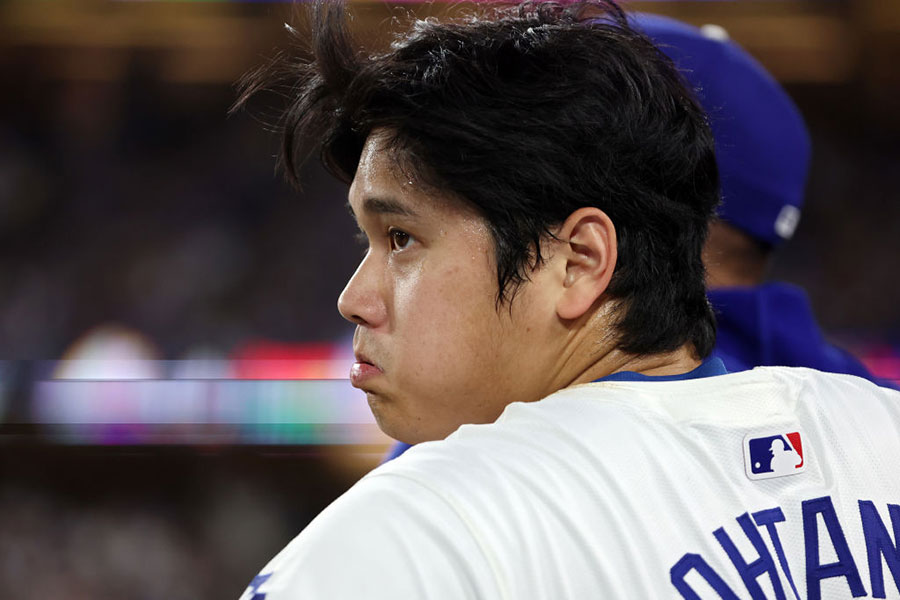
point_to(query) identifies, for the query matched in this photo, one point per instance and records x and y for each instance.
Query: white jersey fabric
(627, 489)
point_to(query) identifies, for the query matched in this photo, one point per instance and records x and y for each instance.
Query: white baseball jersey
(772, 483)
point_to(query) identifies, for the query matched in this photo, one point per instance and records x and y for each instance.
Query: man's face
(433, 349)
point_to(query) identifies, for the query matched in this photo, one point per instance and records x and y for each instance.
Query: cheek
(448, 325)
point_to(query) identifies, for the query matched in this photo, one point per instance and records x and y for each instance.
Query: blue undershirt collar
(710, 367)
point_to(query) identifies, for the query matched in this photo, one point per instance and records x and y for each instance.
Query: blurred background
(173, 407)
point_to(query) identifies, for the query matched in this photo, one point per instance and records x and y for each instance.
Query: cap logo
(714, 32)
(773, 455)
(787, 221)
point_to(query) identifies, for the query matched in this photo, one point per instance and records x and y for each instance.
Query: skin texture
(434, 351)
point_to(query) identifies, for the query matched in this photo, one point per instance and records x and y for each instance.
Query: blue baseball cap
(762, 144)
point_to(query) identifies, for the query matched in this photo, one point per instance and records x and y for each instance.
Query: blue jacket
(773, 325)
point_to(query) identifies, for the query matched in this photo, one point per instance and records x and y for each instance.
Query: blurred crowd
(148, 525)
(143, 205)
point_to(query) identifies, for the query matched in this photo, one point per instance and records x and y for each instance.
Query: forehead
(384, 185)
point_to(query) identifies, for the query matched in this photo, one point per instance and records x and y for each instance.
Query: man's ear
(589, 248)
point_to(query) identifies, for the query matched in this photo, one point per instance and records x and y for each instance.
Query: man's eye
(399, 239)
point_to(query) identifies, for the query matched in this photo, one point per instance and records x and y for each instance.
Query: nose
(361, 302)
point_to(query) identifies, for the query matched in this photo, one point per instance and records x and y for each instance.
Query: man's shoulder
(836, 383)
(577, 462)
(584, 429)
(779, 380)
(604, 427)
(368, 541)
(602, 411)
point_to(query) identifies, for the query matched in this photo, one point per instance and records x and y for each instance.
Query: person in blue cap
(763, 153)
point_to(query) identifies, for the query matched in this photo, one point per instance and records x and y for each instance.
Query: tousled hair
(528, 113)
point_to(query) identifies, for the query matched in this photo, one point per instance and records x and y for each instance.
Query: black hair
(529, 113)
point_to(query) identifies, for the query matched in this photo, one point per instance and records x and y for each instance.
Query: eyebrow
(384, 206)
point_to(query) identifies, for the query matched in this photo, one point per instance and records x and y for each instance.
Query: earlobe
(588, 247)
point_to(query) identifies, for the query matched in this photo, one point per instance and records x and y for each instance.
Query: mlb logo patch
(773, 454)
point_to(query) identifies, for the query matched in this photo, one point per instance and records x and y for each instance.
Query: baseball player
(763, 152)
(534, 185)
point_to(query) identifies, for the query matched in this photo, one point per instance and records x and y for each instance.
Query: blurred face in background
(433, 348)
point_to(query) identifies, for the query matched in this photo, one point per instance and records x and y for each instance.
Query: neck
(585, 358)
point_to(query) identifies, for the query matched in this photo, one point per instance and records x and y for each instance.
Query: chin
(387, 422)
(394, 426)
(401, 425)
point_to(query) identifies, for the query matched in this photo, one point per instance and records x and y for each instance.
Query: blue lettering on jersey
(255, 585)
(696, 562)
(844, 566)
(879, 544)
(749, 572)
(768, 518)
(881, 548)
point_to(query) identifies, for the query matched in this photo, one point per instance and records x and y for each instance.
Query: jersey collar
(710, 367)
